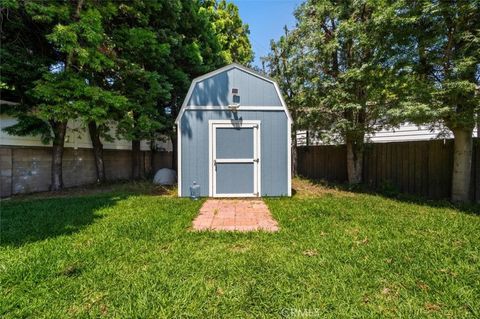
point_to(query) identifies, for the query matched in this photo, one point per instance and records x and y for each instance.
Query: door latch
(256, 160)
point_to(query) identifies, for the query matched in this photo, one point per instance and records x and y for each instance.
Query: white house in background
(407, 132)
(77, 137)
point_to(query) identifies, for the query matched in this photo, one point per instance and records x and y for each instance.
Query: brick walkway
(235, 214)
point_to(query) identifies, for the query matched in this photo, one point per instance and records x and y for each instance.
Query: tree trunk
(153, 151)
(478, 124)
(174, 152)
(354, 161)
(136, 160)
(294, 151)
(462, 164)
(59, 130)
(97, 148)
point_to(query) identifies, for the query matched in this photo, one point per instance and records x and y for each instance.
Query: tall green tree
(197, 51)
(346, 71)
(438, 46)
(84, 43)
(25, 57)
(122, 62)
(209, 35)
(231, 32)
(102, 101)
(158, 45)
(171, 42)
(284, 64)
(65, 39)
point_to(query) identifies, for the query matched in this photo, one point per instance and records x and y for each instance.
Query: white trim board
(289, 159)
(179, 159)
(240, 108)
(257, 183)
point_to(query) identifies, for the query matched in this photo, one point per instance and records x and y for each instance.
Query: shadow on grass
(23, 222)
(391, 193)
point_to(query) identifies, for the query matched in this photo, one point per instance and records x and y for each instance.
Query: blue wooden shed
(234, 136)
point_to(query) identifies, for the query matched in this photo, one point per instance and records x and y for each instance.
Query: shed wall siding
(274, 149)
(217, 90)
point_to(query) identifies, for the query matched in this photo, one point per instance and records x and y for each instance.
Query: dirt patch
(310, 252)
(431, 307)
(132, 187)
(307, 188)
(239, 248)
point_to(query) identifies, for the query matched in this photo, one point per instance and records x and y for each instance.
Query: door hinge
(257, 194)
(256, 160)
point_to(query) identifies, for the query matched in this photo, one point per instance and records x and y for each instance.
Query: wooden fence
(422, 168)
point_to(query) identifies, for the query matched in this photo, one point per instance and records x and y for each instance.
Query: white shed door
(235, 159)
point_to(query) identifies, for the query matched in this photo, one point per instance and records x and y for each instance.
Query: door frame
(212, 142)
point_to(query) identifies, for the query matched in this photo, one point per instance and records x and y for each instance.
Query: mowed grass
(122, 254)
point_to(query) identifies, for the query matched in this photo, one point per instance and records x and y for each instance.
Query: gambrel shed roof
(213, 91)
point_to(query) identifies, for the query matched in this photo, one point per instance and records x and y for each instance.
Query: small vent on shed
(236, 100)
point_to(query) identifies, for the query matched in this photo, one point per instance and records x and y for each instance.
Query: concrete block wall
(5, 172)
(31, 169)
(28, 169)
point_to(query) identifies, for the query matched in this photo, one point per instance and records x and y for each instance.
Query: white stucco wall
(77, 137)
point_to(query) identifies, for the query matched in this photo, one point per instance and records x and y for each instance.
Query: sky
(266, 19)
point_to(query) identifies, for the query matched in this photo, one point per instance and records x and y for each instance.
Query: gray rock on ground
(165, 176)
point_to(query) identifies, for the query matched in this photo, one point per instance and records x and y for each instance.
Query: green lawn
(338, 255)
